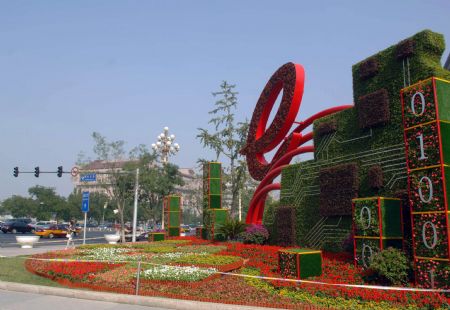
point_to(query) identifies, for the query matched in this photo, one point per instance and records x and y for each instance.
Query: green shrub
(231, 229)
(159, 249)
(201, 249)
(389, 267)
(206, 259)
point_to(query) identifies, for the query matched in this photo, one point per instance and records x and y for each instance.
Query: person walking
(70, 233)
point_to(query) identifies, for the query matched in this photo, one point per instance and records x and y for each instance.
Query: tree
(119, 183)
(19, 206)
(50, 204)
(227, 140)
(96, 206)
(155, 182)
(43, 204)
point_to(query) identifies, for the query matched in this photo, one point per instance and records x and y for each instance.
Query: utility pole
(136, 193)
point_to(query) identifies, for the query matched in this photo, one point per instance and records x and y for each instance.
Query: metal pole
(136, 190)
(84, 230)
(240, 206)
(162, 215)
(138, 276)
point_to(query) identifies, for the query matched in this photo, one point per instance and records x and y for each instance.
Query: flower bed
(169, 274)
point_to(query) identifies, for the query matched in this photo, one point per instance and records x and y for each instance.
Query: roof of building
(103, 164)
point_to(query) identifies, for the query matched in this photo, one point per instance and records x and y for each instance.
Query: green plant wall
(356, 138)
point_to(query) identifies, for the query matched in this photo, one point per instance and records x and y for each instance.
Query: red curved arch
(256, 207)
(291, 78)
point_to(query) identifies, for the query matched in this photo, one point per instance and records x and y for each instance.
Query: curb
(161, 302)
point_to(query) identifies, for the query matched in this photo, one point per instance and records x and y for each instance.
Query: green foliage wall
(380, 144)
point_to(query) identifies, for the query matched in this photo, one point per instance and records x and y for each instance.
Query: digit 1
(422, 152)
(432, 278)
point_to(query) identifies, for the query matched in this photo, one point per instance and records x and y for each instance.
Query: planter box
(198, 232)
(156, 237)
(174, 231)
(212, 220)
(26, 242)
(300, 263)
(377, 224)
(172, 215)
(112, 238)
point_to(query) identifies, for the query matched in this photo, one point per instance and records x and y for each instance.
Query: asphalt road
(9, 239)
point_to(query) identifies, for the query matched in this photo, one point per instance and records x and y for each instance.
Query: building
(191, 191)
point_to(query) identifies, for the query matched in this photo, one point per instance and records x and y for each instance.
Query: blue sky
(128, 68)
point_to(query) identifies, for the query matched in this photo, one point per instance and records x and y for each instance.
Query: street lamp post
(165, 147)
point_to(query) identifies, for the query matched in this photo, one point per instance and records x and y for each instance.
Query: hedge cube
(172, 214)
(300, 263)
(377, 224)
(366, 247)
(212, 220)
(432, 273)
(212, 185)
(198, 232)
(156, 237)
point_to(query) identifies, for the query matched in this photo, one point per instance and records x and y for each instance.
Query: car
(51, 231)
(185, 229)
(17, 225)
(41, 224)
(140, 236)
(77, 230)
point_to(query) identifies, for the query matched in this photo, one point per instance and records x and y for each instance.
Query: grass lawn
(12, 269)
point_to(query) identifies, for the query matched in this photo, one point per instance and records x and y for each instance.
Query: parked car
(140, 236)
(17, 225)
(51, 231)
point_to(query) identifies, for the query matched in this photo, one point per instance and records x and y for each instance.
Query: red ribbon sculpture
(291, 79)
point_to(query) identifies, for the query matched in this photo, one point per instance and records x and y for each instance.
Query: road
(9, 240)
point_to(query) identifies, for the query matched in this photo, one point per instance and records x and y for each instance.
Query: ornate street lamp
(165, 145)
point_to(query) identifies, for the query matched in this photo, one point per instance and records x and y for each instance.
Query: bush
(255, 234)
(231, 229)
(389, 267)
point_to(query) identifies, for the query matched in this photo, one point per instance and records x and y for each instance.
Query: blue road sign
(85, 202)
(90, 177)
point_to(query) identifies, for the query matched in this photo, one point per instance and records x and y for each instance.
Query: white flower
(174, 273)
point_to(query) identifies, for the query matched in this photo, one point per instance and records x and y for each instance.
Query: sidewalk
(16, 251)
(25, 301)
(47, 296)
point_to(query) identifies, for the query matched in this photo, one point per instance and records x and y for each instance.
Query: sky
(126, 69)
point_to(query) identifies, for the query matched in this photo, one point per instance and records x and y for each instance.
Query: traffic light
(60, 171)
(36, 172)
(16, 171)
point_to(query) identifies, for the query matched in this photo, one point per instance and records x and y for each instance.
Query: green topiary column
(172, 214)
(426, 122)
(213, 213)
